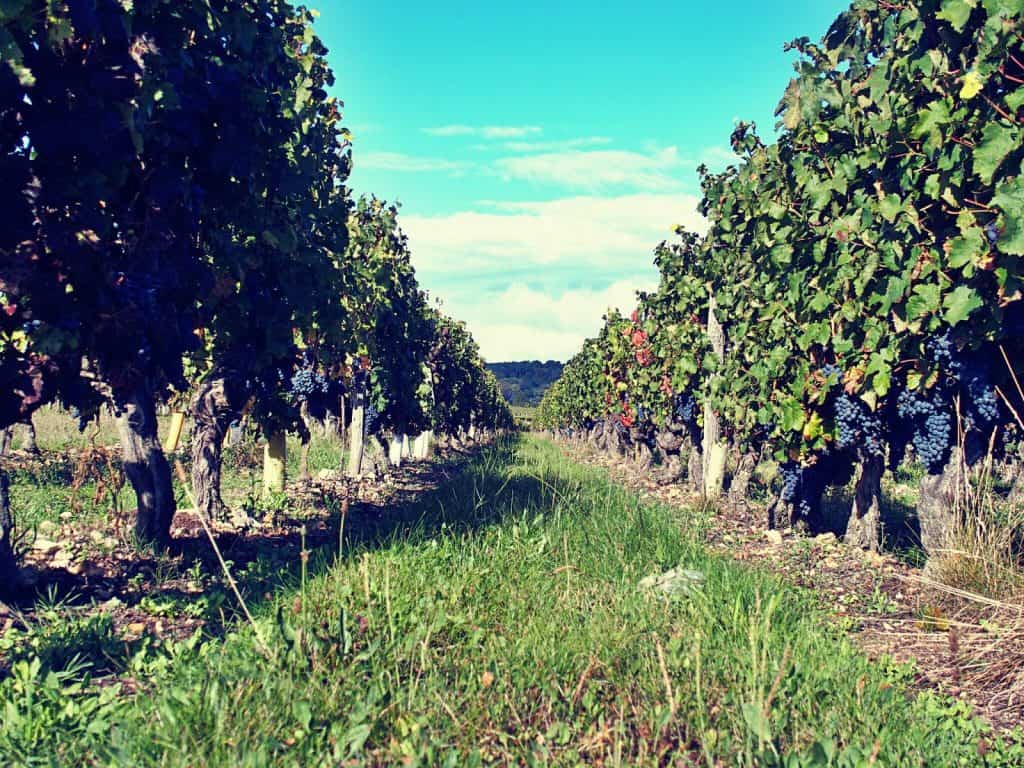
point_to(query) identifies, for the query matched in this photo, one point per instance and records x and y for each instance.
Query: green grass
(61, 484)
(498, 622)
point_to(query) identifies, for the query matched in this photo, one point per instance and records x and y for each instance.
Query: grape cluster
(931, 423)
(686, 408)
(981, 403)
(858, 426)
(942, 351)
(795, 489)
(307, 384)
(789, 473)
(830, 370)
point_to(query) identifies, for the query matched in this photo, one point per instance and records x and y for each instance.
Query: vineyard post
(395, 450)
(358, 425)
(341, 418)
(174, 431)
(713, 448)
(274, 454)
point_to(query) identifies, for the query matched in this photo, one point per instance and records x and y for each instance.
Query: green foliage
(887, 213)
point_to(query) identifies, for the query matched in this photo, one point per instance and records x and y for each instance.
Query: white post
(714, 448)
(395, 452)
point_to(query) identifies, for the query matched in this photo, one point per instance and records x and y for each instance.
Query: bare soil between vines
(958, 647)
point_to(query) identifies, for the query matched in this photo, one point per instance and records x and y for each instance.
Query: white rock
(774, 537)
(674, 582)
(45, 547)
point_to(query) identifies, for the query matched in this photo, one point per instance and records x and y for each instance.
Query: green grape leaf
(957, 12)
(997, 142)
(960, 303)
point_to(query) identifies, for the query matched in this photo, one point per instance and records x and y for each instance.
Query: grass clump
(499, 622)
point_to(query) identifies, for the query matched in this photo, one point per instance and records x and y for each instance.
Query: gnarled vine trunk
(10, 577)
(30, 444)
(214, 408)
(740, 484)
(146, 467)
(863, 527)
(695, 469)
(936, 505)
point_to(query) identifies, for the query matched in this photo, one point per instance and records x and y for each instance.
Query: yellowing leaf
(972, 85)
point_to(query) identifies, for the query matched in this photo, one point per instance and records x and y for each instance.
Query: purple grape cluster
(686, 408)
(858, 426)
(981, 402)
(931, 427)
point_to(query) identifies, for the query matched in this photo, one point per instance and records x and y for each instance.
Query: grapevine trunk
(936, 505)
(740, 484)
(212, 415)
(862, 529)
(10, 576)
(146, 467)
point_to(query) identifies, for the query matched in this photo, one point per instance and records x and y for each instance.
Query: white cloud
(533, 279)
(521, 323)
(401, 163)
(486, 131)
(598, 169)
(553, 146)
(509, 131)
(605, 232)
(451, 130)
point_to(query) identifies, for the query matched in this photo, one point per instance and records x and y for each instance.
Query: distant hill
(524, 383)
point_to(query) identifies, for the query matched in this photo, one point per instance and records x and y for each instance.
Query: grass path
(508, 629)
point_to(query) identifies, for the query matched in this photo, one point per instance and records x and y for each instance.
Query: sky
(541, 150)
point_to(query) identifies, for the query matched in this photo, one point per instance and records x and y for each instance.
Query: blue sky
(541, 150)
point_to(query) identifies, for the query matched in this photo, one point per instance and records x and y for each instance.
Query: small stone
(136, 628)
(874, 558)
(47, 526)
(45, 547)
(825, 539)
(774, 537)
(61, 559)
(75, 569)
(110, 605)
(327, 474)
